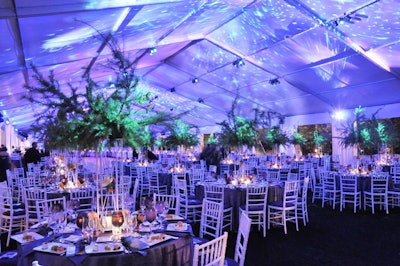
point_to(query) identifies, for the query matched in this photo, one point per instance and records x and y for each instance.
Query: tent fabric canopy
(295, 57)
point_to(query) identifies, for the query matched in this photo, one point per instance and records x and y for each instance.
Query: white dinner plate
(26, 237)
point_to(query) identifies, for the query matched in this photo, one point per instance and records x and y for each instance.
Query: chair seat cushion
(19, 205)
(279, 204)
(199, 240)
(230, 262)
(194, 202)
(16, 212)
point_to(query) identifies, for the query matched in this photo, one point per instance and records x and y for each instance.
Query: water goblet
(160, 206)
(166, 208)
(74, 204)
(142, 203)
(132, 222)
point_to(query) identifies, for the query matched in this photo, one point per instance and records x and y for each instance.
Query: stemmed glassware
(160, 207)
(74, 205)
(117, 220)
(57, 219)
(132, 222)
(143, 203)
(166, 208)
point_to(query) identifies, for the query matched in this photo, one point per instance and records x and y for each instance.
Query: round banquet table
(172, 252)
(236, 196)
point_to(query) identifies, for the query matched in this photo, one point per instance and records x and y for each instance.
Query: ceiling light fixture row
(152, 50)
(238, 63)
(274, 81)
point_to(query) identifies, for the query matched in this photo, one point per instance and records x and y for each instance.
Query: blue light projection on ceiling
(318, 52)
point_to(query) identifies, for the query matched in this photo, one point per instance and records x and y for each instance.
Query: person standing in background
(4, 163)
(32, 155)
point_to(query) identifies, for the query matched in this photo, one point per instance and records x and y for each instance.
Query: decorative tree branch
(181, 134)
(119, 109)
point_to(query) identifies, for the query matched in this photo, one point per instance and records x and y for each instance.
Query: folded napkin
(134, 244)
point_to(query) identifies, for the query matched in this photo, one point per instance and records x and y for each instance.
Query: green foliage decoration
(319, 139)
(181, 134)
(212, 140)
(238, 130)
(367, 134)
(276, 136)
(298, 139)
(82, 118)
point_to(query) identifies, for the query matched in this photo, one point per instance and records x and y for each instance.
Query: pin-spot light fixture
(195, 80)
(274, 81)
(152, 50)
(238, 63)
(350, 18)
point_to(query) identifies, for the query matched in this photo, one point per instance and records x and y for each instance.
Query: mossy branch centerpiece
(277, 138)
(95, 115)
(237, 131)
(319, 140)
(181, 134)
(298, 140)
(119, 109)
(367, 134)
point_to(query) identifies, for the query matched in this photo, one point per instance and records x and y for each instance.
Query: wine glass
(132, 222)
(160, 206)
(74, 205)
(143, 203)
(129, 202)
(57, 220)
(166, 207)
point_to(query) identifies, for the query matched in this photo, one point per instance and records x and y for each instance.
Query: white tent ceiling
(321, 63)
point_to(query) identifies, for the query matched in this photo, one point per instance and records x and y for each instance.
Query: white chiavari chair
(349, 192)
(211, 253)
(11, 215)
(302, 206)
(169, 200)
(31, 196)
(377, 194)
(285, 211)
(189, 208)
(85, 196)
(241, 240)
(255, 207)
(330, 189)
(216, 193)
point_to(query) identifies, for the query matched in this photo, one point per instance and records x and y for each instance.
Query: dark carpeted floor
(331, 238)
